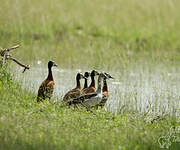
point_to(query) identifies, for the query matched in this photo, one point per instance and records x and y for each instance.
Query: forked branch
(5, 56)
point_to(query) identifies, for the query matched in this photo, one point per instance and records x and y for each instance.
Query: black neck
(105, 87)
(50, 76)
(78, 84)
(85, 84)
(92, 82)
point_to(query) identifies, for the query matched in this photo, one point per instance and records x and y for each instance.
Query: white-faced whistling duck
(92, 87)
(47, 86)
(86, 75)
(105, 90)
(74, 93)
(91, 99)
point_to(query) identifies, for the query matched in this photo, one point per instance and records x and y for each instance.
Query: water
(156, 91)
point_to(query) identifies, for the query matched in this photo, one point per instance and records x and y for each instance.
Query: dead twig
(6, 50)
(19, 63)
(5, 56)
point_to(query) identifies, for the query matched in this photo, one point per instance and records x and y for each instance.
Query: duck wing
(49, 89)
(74, 93)
(93, 100)
(88, 90)
(83, 98)
(41, 94)
(45, 90)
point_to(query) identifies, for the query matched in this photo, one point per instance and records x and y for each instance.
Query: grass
(61, 128)
(137, 41)
(99, 34)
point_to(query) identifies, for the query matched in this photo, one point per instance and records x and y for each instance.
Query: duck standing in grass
(47, 86)
(86, 75)
(74, 93)
(92, 87)
(91, 99)
(105, 91)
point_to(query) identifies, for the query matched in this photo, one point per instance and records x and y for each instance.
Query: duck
(74, 93)
(86, 75)
(91, 87)
(105, 91)
(91, 99)
(47, 86)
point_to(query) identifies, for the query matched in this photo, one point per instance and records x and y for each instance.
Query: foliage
(111, 35)
(26, 124)
(99, 34)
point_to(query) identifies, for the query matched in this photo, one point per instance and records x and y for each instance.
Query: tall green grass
(140, 37)
(101, 34)
(28, 125)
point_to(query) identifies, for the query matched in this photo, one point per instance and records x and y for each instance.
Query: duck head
(79, 76)
(94, 73)
(102, 75)
(87, 74)
(51, 64)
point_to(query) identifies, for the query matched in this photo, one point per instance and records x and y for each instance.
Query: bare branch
(14, 47)
(19, 63)
(3, 51)
(5, 55)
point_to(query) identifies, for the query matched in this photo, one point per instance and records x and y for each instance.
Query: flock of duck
(89, 96)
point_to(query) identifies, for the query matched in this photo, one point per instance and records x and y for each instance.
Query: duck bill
(55, 65)
(109, 76)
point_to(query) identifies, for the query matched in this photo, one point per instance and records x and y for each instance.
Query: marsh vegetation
(136, 41)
